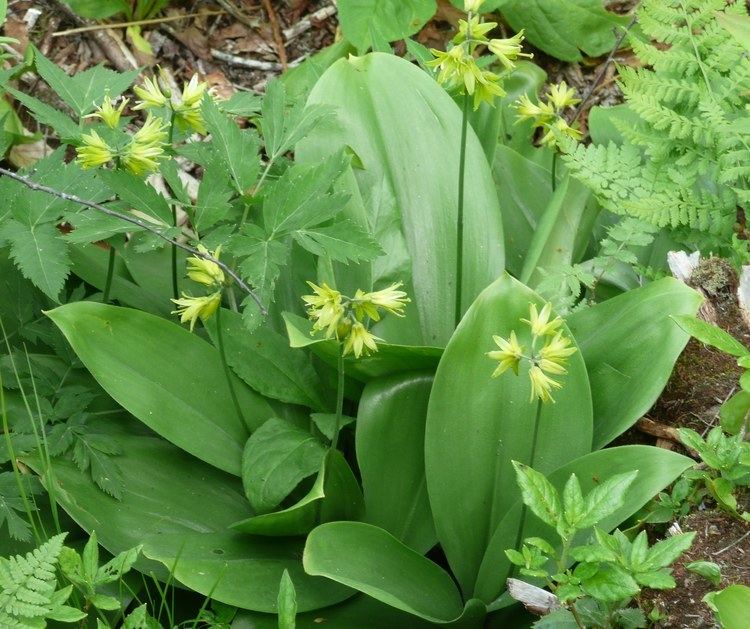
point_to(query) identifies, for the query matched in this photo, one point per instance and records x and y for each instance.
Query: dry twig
(276, 29)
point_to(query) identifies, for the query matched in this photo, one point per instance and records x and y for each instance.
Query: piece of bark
(534, 599)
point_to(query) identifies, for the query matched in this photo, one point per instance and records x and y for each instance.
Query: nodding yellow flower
(360, 340)
(558, 130)
(509, 355)
(487, 89)
(94, 151)
(561, 96)
(390, 299)
(193, 91)
(325, 309)
(474, 28)
(150, 94)
(203, 271)
(540, 113)
(193, 308)
(508, 50)
(108, 113)
(540, 323)
(554, 355)
(472, 6)
(541, 385)
(188, 113)
(454, 65)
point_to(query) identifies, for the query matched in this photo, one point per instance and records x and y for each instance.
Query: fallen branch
(33, 185)
(306, 23)
(157, 20)
(535, 599)
(246, 63)
(276, 30)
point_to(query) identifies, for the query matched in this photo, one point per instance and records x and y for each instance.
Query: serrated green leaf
(236, 148)
(639, 550)
(733, 413)
(592, 553)
(138, 194)
(84, 90)
(667, 551)
(538, 494)
(630, 618)
(212, 204)
(10, 503)
(573, 501)
(656, 579)
(40, 254)
(65, 128)
(611, 583)
(276, 458)
(343, 241)
(605, 499)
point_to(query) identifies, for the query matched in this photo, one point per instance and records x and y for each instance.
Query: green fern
(28, 589)
(686, 163)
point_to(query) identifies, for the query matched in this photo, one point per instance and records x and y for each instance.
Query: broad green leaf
(606, 498)
(710, 334)
(390, 453)
(569, 214)
(562, 27)
(707, 569)
(388, 360)
(98, 10)
(415, 158)
(299, 81)
(163, 485)
(237, 148)
(477, 424)
(630, 346)
(657, 468)
(86, 89)
(287, 602)
(656, 579)
(40, 254)
(167, 377)
(374, 562)
(611, 583)
(277, 456)
(524, 190)
(392, 19)
(733, 413)
(538, 494)
(335, 495)
(264, 360)
(731, 606)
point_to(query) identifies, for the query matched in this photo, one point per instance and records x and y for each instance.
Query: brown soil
(719, 538)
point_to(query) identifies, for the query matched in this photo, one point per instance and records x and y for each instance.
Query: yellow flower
(146, 147)
(557, 131)
(94, 151)
(540, 323)
(454, 64)
(508, 50)
(475, 28)
(363, 307)
(390, 299)
(193, 308)
(540, 113)
(509, 355)
(150, 94)
(472, 6)
(188, 113)
(193, 91)
(562, 96)
(203, 271)
(108, 113)
(324, 308)
(487, 89)
(360, 340)
(541, 385)
(554, 355)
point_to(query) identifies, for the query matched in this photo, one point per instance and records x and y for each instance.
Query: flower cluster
(186, 108)
(347, 318)
(139, 153)
(547, 114)
(550, 359)
(206, 272)
(458, 68)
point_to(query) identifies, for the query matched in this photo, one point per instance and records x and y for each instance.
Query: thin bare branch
(133, 220)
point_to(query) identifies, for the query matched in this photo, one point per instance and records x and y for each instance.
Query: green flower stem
(460, 214)
(554, 171)
(175, 289)
(227, 370)
(339, 399)
(110, 274)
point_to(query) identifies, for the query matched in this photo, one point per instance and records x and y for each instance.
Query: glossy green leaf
(731, 606)
(163, 486)
(630, 346)
(657, 468)
(476, 425)
(733, 413)
(710, 334)
(388, 360)
(390, 19)
(611, 583)
(538, 494)
(335, 495)
(167, 377)
(287, 602)
(416, 158)
(568, 215)
(374, 562)
(707, 569)
(390, 452)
